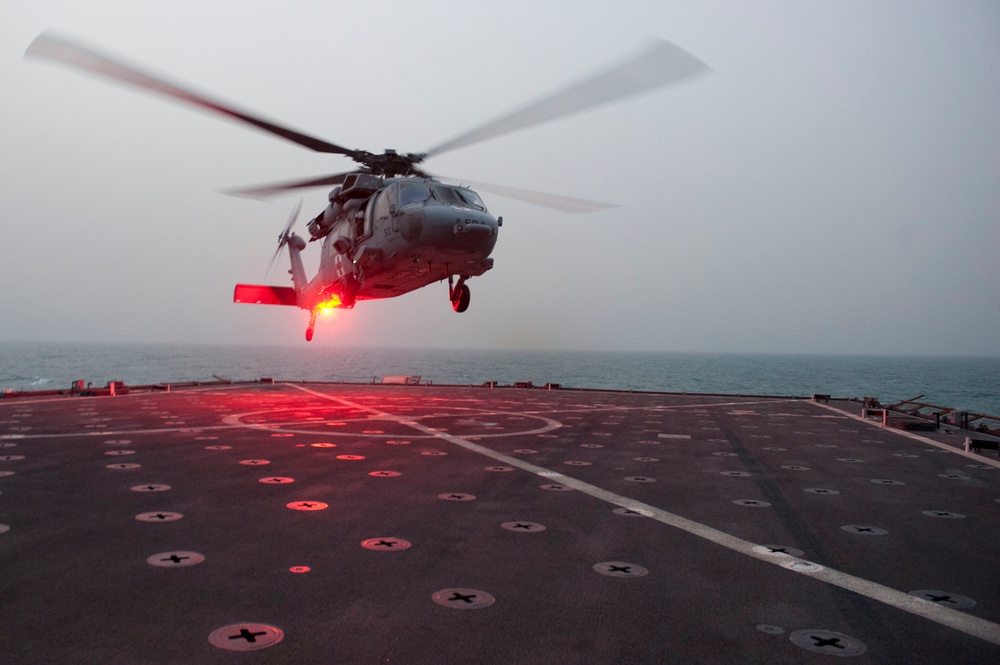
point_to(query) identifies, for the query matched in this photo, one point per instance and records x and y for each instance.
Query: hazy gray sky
(832, 187)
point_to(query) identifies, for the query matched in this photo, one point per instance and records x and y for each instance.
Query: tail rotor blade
(286, 232)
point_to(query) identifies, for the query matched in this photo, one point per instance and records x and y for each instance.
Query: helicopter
(391, 227)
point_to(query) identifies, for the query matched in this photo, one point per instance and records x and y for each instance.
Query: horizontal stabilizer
(257, 294)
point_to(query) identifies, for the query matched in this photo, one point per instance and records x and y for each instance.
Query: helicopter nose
(461, 224)
(473, 229)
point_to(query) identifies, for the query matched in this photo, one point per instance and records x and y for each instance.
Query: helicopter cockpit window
(414, 192)
(471, 198)
(447, 196)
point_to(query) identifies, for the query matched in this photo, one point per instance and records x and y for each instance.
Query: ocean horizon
(966, 383)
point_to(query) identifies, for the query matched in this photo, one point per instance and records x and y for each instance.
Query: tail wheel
(460, 299)
(312, 325)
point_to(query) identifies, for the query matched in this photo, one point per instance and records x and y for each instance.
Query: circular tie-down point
(640, 479)
(255, 462)
(802, 566)
(117, 442)
(386, 544)
(385, 474)
(299, 569)
(984, 467)
(525, 451)
(175, 559)
(620, 569)
(646, 459)
(828, 642)
(944, 598)
(752, 503)
(735, 474)
(456, 496)
(276, 480)
(206, 438)
(778, 551)
(795, 467)
(463, 599)
(945, 514)
(905, 455)
(949, 476)
(307, 505)
(4, 528)
(282, 435)
(351, 458)
(591, 445)
(397, 442)
(433, 453)
(556, 488)
(119, 452)
(631, 512)
(150, 488)
(574, 462)
(6, 474)
(820, 490)
(245, 637)
(499, 469)
(862, 530)
(770, 629)
(850, 459)
(726, 454)
(323, 444)
(218, 447)
(523, 527)
(122, 466)
(163, 516)
(886, 481)
(11, 458)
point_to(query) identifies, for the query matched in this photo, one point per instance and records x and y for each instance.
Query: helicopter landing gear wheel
(460, 298)
(458, 294)
(312, 326)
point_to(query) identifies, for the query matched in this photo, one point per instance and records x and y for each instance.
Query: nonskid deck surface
(316, 523)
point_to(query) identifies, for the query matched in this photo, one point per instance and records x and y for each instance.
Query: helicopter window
(447, 196)
(414, 192)
(471, 198)
(380, 209)
(362, 222)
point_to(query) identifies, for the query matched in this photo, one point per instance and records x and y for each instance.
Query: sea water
(971, 384)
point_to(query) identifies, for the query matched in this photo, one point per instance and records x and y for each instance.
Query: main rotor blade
(564, 203)
(76, 55)
(265, 191)
(658, 65)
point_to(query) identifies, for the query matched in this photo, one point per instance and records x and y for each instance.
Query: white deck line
(965, 623)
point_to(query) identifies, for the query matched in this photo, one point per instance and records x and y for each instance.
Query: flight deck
(345, 523)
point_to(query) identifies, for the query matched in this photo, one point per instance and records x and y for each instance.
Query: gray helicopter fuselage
(407, 234)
